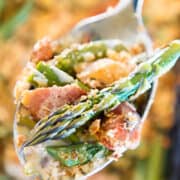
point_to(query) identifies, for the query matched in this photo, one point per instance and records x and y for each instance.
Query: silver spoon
(123, 22)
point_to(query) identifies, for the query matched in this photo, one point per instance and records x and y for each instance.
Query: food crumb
(20, 140)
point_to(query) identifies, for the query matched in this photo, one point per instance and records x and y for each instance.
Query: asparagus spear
(65, 123)
(50, 75)
(76, 154)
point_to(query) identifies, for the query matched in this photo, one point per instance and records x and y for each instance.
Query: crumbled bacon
(120, 128)
(42, 51)
(134, 138)
(42, 101)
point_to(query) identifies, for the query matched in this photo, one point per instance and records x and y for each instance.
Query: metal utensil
(123, 22)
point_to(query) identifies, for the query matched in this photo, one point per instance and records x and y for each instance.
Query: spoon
(124, 22)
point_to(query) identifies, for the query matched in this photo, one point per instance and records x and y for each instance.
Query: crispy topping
(20, 140)
(95, 126)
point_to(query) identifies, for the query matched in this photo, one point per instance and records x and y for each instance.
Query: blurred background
(23, 22)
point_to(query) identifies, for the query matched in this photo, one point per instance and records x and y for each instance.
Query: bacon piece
(119, 129)
(42, 51)
(42, 101)
(134, 138)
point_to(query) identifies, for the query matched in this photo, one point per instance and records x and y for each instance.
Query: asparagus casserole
(79, 108)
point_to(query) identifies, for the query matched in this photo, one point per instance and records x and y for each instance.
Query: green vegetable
(2, 6)
(156, 160)
(4, 177)
(9, 26)
(78, 154)
(66, 61)
(4, 131)
(49, 74)
(140, 169)
(82, 85)
(65, 123)
(38, 79)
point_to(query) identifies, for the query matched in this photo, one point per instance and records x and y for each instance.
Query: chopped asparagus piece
(78, 154)
(50, 75)
(38, 79)
(87, 52)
